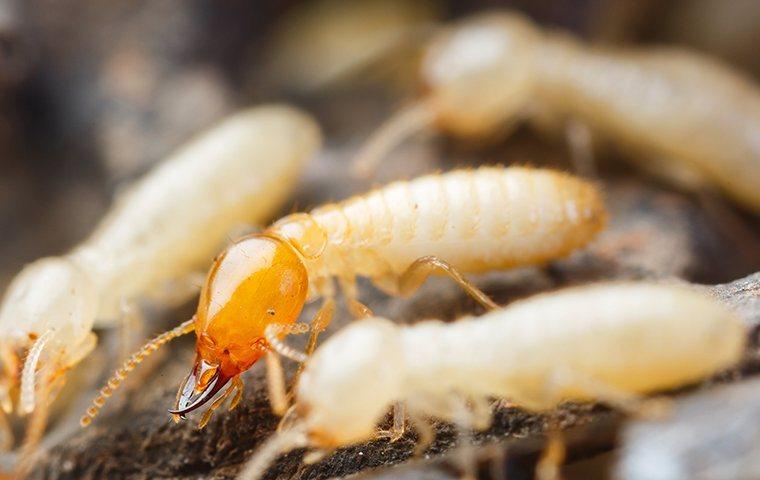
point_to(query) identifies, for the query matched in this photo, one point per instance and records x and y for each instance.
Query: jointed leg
(399, 423)
(628, 402)
(355, 307)
(425, 432)
(34, 431)
(278, 398)
(236, 386)
(320, 322)
(552, 458)
(463, 418)
(417, 273)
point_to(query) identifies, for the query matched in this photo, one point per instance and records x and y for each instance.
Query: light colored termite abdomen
(675, 109)
(178, 216)
(477, 220)
(629, 337)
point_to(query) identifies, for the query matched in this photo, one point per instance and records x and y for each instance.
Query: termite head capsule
(479, 73)
(365, 353)
(53, 296)
(258, 281)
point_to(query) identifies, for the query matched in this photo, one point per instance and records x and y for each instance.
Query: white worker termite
(683, 114)
(466, 221)
(607, 342)
(165, 227)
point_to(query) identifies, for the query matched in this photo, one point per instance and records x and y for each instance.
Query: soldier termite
(165, 227)
(607, 342)
(684, 114)
(468, 221)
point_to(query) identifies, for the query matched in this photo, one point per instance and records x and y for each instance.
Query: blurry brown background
(94, 92)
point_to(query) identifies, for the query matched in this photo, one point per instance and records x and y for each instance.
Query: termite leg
(463, 418)
(34, 430)
(216, 404)
(411, 279)
(414, 118)
(399, 424)
(481, 412)
(278, 398)
(630, 403)
(552, 458)
(237, 383)
(350, 293)
(320, 322)
(425, 432)
(581, 146)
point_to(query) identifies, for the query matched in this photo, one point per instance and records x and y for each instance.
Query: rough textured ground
(95, 93)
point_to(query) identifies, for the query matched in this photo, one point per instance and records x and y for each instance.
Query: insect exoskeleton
(164, 228)
(606, 342)
(684, 114)
(461, 221)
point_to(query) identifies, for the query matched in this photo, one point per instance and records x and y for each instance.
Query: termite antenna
(28, 377)
(121, 373)
(276, 445)
(408, 121)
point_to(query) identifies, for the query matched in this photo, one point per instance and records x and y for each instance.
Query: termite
(168, 225)
(321, 43)
(462, 221)
(611, 342)
(685, 114)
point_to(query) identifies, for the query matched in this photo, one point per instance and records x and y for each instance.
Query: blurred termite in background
(607, 342)
(684, 115)
(323, 43)
(157, 235)
(452, 223)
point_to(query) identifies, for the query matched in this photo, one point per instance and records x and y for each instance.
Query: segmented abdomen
(477, 220)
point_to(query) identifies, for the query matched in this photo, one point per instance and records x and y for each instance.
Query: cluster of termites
(575, 344)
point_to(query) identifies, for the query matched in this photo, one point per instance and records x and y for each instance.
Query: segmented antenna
(275, 329)
(400, 126)
(129, 365)
(26, 402)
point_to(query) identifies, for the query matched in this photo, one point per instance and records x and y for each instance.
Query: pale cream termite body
(466, 221)
(600, 342)
(165, 227)
(476, 220)
(684, 114)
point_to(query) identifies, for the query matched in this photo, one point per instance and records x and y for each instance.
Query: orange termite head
(259, 280)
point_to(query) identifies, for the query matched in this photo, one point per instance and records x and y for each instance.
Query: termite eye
(270, 312)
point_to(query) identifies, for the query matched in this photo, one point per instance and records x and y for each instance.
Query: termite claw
(199, 387)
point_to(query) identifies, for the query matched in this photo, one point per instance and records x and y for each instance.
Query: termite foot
(654, 408)
(313, 457)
